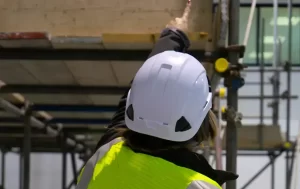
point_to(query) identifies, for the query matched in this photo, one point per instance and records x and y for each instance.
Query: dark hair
(150, 144)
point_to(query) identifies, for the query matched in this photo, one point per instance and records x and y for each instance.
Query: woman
(162, 120)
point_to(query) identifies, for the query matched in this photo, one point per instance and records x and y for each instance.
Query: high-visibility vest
(116, 166)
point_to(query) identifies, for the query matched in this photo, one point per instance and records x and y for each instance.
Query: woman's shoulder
(196, 162)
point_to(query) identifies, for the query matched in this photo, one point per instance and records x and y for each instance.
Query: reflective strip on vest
(116, 166)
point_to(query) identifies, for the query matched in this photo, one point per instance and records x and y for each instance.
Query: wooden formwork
(80, 24)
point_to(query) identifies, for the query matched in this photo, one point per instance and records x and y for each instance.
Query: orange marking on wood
(23, 35)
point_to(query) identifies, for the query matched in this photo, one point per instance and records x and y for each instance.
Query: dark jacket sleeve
(170, 39)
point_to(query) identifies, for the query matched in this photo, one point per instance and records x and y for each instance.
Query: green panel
(267, 14)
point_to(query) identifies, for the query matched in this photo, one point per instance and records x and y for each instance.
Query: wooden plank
(128, 41)
(248, 138)
(68, 126)
(125, 72)
(66, 99)
(198, 39)
(108, 41)
(105, 99)
(146, 41)
(51, 99)
(24, 40)
(53, 72)
(77, 42)
(84, 115)
(6, 114)
(12, 72)
(92, 17)
(97, 73)
(49, 72)
(92, 72)
(45, 72)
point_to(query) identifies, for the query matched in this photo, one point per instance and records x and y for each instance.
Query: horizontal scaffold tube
(36, 123)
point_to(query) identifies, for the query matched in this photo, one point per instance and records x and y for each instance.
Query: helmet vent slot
(182, 125)
(130, 112)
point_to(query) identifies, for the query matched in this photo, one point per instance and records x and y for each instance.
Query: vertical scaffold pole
(262, 87)
(27, 146)
(3, 167)
(288, 101)
(232, 97)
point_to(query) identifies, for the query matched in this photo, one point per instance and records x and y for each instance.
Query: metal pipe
(269, 70)
(275, 62)
(258, 36)
(297, 160)
(272, 172)
(232, 98)
(74, 181)
(224, 23)
(249, 24)
(253, 82)
(3, 168)
(262, 61)
(64, 162)
(252, 97)
(218, 138)
(27, 146)
(256, 117)
(262, 93)
(74, 167)
(21, 167)
(291, 166)
(36, 123)
(288, 102)
(248, 154)
(276, 85)
(275, 31)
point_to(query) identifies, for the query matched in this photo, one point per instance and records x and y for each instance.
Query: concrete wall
(92, 17)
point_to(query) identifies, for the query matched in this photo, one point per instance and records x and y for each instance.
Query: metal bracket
(231, 72)
(233, 78)
(274, 80)
(232, 115)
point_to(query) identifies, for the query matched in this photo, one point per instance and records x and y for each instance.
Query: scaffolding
(39, 133)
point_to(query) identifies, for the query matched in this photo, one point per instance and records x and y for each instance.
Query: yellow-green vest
(121, 168)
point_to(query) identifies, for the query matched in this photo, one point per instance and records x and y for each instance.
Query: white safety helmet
(170, 97)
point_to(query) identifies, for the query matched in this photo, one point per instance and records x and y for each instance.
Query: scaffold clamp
(237, 83)
(232, 115)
